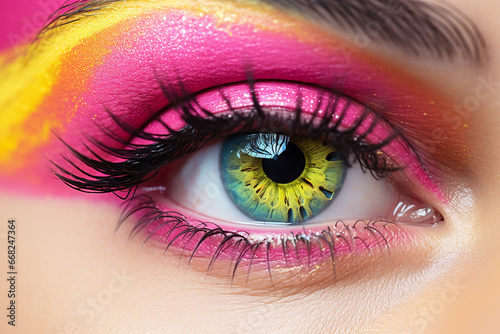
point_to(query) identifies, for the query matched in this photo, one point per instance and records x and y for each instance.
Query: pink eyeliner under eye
(251, 252)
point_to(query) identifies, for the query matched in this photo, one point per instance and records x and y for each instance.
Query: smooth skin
(77, 276)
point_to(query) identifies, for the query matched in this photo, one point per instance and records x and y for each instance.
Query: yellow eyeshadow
(30, 80)
(33, 84)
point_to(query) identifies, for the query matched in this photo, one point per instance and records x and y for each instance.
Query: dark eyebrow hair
(422, 29)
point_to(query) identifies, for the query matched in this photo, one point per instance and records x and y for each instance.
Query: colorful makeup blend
(134, 88)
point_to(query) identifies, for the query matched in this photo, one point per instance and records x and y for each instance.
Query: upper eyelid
(332, 67)
(416, 27)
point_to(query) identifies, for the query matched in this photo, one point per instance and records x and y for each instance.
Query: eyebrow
(422, 29)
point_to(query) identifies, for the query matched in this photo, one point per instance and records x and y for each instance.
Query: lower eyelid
(318, 255)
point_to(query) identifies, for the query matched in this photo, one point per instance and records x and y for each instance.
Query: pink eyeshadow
(202, 55)
(176, 46)
(192, 50)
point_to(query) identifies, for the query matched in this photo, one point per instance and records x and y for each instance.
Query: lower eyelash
(242, 250)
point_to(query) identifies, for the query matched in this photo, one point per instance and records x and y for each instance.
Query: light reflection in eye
(361, 197)
(263, 146)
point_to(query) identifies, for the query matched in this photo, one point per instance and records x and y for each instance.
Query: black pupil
(287, 166)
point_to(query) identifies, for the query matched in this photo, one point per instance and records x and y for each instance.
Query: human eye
(151, 115)
(267, 214)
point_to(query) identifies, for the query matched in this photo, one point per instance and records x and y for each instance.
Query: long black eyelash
(137, 163)
(238, 243)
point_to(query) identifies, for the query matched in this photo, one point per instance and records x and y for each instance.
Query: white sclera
(197, 188)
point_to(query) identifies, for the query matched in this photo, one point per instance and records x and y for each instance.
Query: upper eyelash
(139, 162)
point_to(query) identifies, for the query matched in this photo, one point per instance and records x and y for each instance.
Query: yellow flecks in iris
(264, 199)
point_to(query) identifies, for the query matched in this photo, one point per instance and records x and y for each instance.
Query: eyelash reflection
(136, 163)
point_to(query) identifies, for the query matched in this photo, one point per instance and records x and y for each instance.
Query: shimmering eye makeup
(114, 100)
(174, 42)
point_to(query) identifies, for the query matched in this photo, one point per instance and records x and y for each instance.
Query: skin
(76, 275)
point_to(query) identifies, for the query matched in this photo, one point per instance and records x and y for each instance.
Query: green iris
(275, 178)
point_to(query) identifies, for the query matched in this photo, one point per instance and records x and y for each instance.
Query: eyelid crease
(415, 26)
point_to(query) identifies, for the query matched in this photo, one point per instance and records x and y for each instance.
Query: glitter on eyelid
(73, 71)
(36, 88)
